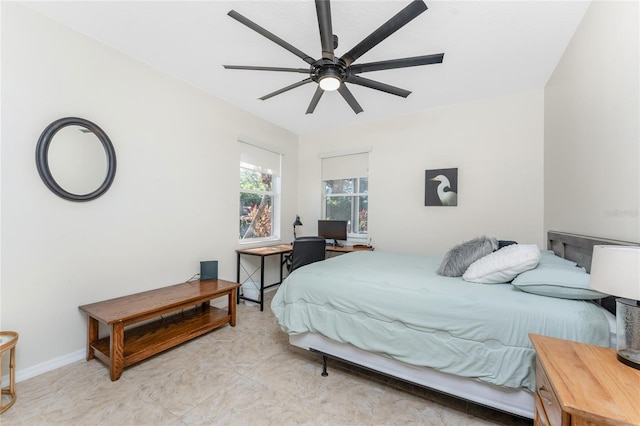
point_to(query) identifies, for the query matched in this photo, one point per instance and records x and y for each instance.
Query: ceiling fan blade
(314, 100)
(398, 63)
(348, 96)
(254, 68)
(415, 8)
(284, 89)
(274, 38)
(383, 87)
(323, 10)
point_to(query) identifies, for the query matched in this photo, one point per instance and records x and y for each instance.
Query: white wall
(173, 202)
(592, 127)
(497, 146)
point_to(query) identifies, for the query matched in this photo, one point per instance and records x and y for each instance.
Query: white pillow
(503, 265)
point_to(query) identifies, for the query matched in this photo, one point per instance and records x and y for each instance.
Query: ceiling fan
(331, 72)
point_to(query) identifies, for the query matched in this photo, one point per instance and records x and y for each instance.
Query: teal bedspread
(397, 306)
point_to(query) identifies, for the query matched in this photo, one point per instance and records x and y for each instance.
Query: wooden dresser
(579, 385)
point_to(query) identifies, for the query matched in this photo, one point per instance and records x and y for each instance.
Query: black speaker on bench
(209, 270)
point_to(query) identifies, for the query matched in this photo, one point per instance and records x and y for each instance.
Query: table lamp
(615, 270)
(296, 223)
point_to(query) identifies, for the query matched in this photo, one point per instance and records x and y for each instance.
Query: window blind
(345, 166)
(260, 159)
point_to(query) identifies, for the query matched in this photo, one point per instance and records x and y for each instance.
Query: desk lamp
(296, 223)
(615, 270)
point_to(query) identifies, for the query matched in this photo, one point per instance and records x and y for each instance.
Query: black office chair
(306, 250)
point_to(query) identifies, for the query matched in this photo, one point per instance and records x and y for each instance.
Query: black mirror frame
(42, 158)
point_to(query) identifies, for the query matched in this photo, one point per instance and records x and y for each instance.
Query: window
(346, 199)
(259, 193)
(345, 191)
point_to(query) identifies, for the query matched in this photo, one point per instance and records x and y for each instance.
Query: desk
(348, 249)
(280, 249)
(263, 252)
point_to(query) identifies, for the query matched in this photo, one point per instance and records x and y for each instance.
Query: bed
(465, 339)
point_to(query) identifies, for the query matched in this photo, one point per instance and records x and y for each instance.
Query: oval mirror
(76, 159)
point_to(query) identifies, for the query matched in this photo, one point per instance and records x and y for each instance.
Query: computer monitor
(333, 230)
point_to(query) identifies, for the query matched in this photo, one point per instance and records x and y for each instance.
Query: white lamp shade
(615, 270)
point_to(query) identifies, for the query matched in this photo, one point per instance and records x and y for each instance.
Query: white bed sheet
(516, 401)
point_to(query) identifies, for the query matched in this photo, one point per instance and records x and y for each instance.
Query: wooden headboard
(579, 249)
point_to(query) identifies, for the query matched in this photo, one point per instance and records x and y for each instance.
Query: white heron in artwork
(446, 195)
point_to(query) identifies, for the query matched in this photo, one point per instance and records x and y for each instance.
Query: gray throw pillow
(458, 259)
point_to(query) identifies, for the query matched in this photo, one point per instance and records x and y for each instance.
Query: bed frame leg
(324, 366)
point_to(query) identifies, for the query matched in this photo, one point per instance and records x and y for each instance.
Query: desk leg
(92, 336)
(238, 278)
(116, 355)
(281, 264)
(262, 283)
(232, 307)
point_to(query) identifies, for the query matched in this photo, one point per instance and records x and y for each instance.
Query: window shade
(261, 159)
(345, 166)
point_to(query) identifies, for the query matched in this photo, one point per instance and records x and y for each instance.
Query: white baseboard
(79, 355)
(46, 366)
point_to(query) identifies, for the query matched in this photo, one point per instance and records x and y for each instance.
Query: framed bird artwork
(441, 187)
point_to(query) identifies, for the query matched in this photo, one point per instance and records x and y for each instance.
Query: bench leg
(232, 307)
(116, 347)
(92, 336)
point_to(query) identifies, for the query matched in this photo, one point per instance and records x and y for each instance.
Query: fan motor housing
(326, 68)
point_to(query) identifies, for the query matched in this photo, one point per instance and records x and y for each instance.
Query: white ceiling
(491, 48)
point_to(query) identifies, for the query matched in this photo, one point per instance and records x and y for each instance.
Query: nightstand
(579, 385)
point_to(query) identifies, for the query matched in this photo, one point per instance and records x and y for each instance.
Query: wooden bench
(185, 313)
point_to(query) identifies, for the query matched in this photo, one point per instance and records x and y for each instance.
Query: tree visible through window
(256, 203)
(260, 167)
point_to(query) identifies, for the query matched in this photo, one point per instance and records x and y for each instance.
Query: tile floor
(243, 375)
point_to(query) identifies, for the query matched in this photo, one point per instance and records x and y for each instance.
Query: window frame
(274, 194)
(355, 198)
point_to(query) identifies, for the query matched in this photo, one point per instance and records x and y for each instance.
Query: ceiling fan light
(329, 83)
